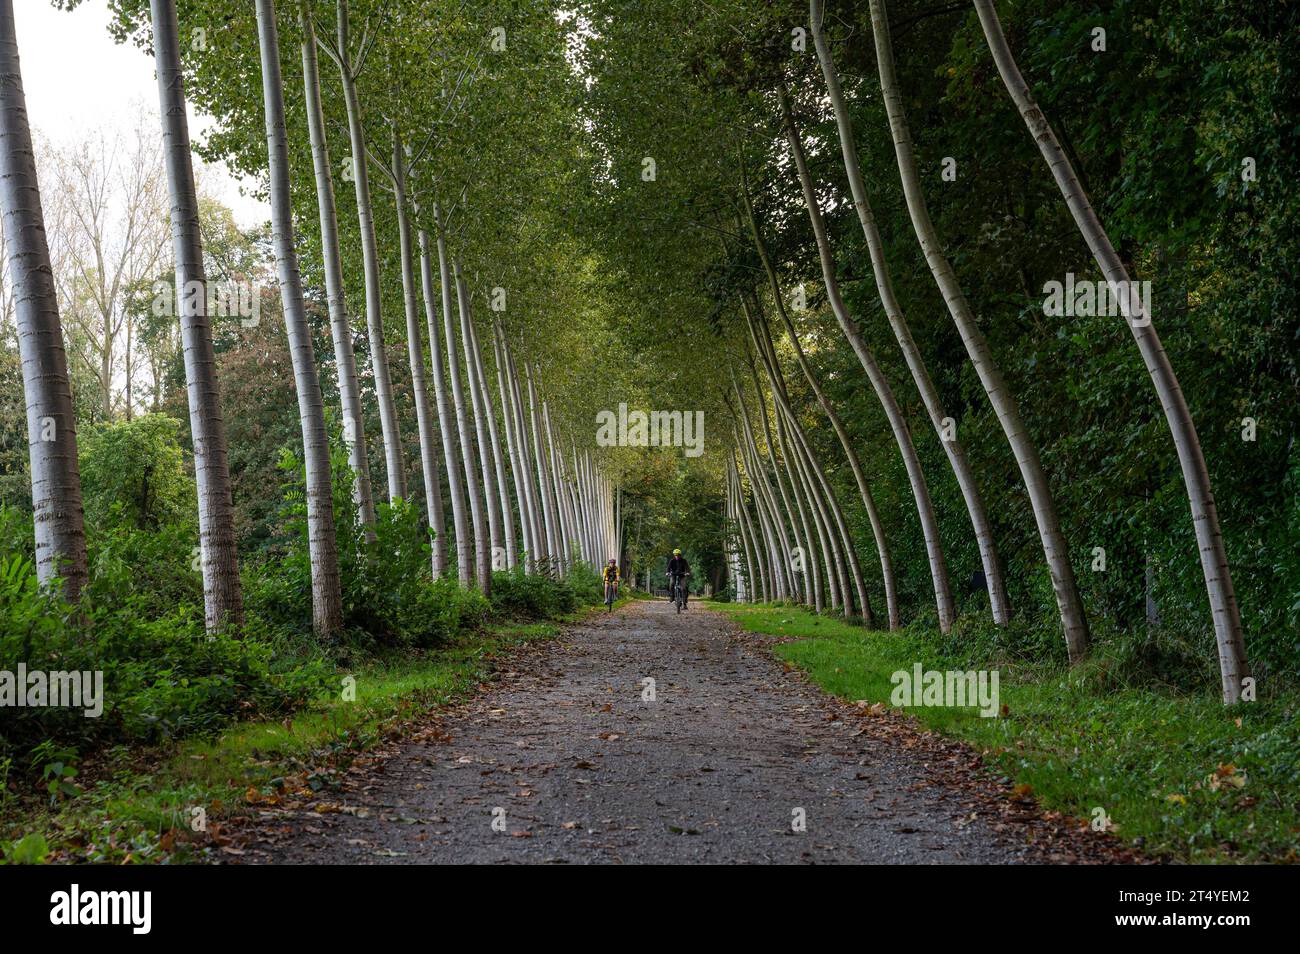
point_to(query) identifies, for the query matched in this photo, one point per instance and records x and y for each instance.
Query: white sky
(76, 77)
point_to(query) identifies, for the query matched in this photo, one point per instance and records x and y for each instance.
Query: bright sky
(76, 77)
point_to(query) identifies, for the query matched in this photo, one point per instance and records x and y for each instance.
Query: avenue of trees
(867, 206)
(832, 227)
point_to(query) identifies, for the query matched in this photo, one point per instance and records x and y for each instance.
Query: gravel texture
(565, 760)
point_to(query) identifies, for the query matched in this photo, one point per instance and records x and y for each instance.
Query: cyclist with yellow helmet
(678, 570)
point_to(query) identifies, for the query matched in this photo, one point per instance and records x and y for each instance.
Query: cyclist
(611, 583)
(678, 569)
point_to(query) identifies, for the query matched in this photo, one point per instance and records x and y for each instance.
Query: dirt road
(731, 758)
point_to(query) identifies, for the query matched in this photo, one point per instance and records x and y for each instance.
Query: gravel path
(565, 761)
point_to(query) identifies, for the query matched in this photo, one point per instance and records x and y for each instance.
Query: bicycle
(611, 594)
(679, 592)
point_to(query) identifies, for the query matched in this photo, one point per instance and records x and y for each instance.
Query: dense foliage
(1159, 124)
(593, 167)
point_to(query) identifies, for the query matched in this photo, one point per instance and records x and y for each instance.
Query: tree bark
(544, 480)
(491, 498)
(494, 444)
(393, 462)
(846, 558)
(415, 354)
(540, 554)
(51, 422)
(781, 541)
(514, 445)
(761, 562)
(327, 599)
(450, 450)
(464, 411)
(855, 464)
(799, 490)
(763, 536)
(345, 360)
(798, 568)
(223, 600)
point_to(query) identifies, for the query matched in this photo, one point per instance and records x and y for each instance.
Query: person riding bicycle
(678, 569)
(610, 579)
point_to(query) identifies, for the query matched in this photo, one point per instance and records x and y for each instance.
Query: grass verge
(1176, 775)
(143, 806)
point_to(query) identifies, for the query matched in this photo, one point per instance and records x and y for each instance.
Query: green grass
(1178, 775)
(126, 813)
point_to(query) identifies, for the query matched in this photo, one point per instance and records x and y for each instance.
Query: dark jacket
(677, 565)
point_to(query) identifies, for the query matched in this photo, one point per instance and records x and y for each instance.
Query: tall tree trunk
(798, 490)
(833, 547)
(846, 558)
(553, 546)
(489, 417)
(879, 383)
(482, 555)
(798, 567)
(393, 462)
(777, 547)
(759, 561)
(415, 354)
(327, 599)
(825, 503)
(837, 424)
(518, 465)
(744, 593)
(894, 313)
(586, 522)
(1055, 551)
(763, 539)
(491, 498)
(815, 477)
(345, 361)
(763, 490)
(450, 450)
(541, 555)
(753, 593)
(222, 598)
(1233, 665)
(51, 421)
(563, 523)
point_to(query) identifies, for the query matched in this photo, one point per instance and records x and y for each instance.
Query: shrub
(390, 599)
(516, 595)
(162, 678)
(133, 475)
